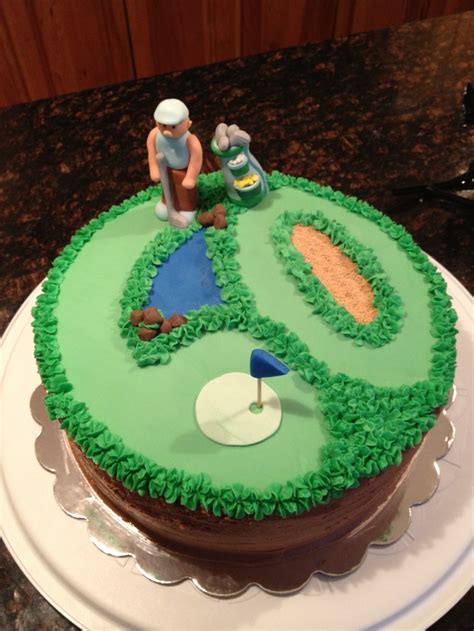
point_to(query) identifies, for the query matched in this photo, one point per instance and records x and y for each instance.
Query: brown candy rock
(206, 219)
(219, 209)
(146, 334)
(177, 320)
(136, 317)
(152, 316)
(166, 327)
(220, 222)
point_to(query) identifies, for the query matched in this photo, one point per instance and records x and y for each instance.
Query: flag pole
(259, 393)
(263, 364)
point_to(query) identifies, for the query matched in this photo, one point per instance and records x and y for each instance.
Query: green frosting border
(388, 321)
(369, 426)
(234, 313)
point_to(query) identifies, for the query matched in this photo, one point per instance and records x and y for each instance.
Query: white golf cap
(171, 112)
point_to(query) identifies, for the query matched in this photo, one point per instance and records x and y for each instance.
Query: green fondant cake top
(349, 410)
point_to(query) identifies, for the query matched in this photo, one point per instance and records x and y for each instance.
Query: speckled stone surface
(364, 114)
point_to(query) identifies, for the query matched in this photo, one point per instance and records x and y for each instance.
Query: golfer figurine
(175, 158)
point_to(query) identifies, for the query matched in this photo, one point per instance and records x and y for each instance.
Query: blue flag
(263, 364)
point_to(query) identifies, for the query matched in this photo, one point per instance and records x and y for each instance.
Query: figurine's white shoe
(161, 211)
(188, 215)
(176, 219)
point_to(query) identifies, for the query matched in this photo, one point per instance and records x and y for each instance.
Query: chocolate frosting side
(199, 533)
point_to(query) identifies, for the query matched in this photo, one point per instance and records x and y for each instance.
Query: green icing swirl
(388, 321)
(369, 426)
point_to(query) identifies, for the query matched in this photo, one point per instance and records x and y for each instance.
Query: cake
(366, 375)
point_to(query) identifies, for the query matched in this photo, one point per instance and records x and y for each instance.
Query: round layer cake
(326, 283)
(334, 536)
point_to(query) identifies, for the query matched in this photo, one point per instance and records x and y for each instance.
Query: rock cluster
(215, 217)
(155, 322)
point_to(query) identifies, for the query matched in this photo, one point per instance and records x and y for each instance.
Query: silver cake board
(118, 538)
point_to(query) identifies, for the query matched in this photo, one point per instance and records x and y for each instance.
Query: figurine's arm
(152, 163)
(195, 162)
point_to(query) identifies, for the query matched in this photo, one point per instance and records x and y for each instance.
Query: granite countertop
(363, 114)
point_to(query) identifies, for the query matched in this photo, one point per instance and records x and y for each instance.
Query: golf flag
(263, 364)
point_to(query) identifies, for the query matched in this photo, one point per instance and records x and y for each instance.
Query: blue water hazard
(186, 280)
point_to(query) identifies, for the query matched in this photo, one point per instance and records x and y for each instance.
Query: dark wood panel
(172, 36)
(60, 46)
(272, 24)
(447, 7)
(415, 10)
(12, 85)
(344, 14)
(50, 47)
(86, 42)
(25, 51)
(374, 14)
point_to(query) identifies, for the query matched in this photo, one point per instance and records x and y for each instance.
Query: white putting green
(227, 413)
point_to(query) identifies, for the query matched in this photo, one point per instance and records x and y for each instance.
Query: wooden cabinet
(51, 47)
(167, 36)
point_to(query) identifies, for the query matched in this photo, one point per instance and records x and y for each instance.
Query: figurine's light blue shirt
(175, 150)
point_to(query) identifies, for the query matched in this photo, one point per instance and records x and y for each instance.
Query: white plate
(408, 585)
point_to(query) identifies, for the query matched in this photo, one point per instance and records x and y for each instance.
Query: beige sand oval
(337, 272)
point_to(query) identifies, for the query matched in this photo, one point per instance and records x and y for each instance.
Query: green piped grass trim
(388, 321)
(136, 294)
(45, 322)
(238, 304)
(369, 426)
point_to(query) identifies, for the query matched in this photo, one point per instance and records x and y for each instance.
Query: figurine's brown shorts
(183, 198)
